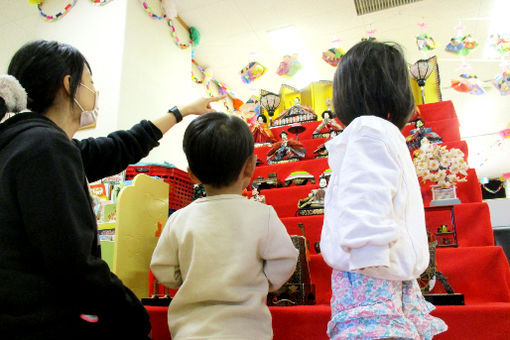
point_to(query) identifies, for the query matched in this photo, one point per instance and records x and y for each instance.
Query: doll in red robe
(285, 149)
(262, 135)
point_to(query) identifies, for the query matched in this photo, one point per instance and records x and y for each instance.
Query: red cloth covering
(285, 199)
(476, 268)
(473, 224)
(467, 192)
(437, 111)
(486, 291)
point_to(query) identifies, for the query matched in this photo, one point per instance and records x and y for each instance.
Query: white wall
(96, 31)
(156, 75)
(136, 66)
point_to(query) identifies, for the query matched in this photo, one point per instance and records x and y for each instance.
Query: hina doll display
(416, 136)
(321, 151)
(313, 204)
(285, 150)
(328, 123)
(262, 135)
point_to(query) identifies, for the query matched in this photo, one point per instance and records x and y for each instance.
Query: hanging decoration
(461, 45)
(208, 79)
(148, 9)
(252, 72)
(424, 41)
(502, 83)
(486, 154)
(289, 66)
(468, 83)
(59, 15)
(100, 2)
(370, 35)
(500, 42)
(333, 56)
(193, 33)
(250, 110)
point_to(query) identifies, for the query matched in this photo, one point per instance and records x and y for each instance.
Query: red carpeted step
(314, 166)
(437, 111)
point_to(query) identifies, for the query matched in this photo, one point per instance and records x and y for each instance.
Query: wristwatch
(177, 114)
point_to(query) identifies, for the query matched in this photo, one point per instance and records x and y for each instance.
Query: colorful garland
(100, 2)
(176, 38)
(493, 191)
(53, 18)
(150, 12)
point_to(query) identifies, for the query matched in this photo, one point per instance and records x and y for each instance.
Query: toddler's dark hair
(373, 79)
(217, 146)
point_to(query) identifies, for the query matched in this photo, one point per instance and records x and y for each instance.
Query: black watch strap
(175, 111)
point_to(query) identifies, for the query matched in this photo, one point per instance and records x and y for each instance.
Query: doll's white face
(323, 183)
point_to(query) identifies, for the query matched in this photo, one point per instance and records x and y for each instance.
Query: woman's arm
(106, 156)
(200, 106)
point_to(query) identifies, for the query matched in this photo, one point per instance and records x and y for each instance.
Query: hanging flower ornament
(437, 164)
(53, 18)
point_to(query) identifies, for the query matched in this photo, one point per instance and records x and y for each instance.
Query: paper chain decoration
(150, 12)
(59, 15)
(100, 2)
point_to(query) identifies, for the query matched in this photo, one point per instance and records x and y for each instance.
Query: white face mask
(88, 117)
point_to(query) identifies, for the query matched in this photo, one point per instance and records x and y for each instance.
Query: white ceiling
(235, 32)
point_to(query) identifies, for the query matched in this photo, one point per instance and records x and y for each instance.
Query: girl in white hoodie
(374, 235)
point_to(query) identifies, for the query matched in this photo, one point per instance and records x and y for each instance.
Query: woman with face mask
(53, 283)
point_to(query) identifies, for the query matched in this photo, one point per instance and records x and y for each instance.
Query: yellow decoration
(432, 86)
(34, 2)
(314, 95)
(139, 209)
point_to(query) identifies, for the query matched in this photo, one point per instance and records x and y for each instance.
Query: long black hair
(373, 79)
(40, 66)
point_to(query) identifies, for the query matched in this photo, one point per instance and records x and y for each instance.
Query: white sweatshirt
(224, 253)
(374, 216)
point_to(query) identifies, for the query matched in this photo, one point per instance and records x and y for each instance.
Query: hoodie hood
(21, 122)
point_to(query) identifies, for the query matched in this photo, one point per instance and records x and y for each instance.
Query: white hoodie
(374, 216)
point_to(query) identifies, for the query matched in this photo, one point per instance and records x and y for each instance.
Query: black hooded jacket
(50, 265)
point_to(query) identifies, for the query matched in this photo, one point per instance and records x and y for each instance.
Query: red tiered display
(477, 268)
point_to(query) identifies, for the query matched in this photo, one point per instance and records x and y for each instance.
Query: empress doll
(261, 132)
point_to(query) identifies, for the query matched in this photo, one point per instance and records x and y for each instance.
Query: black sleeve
(57, 215)
(106, 156)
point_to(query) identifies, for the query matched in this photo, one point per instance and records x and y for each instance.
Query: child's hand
(200, 106)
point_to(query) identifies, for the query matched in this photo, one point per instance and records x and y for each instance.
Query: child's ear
(249, 167)
(193, 177)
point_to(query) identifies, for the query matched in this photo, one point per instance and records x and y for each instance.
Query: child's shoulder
(372, 126)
